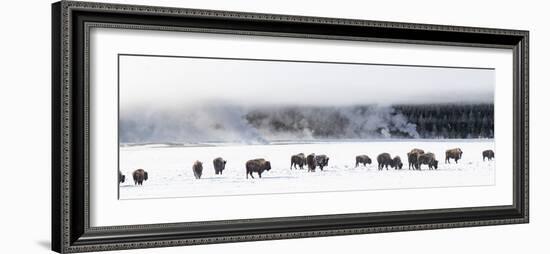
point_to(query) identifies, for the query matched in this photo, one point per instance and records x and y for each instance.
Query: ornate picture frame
(71, 109)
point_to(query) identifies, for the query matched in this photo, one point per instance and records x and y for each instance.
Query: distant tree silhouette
(451, 121)
(429, 121)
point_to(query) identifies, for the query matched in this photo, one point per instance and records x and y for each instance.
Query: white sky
(175, 82)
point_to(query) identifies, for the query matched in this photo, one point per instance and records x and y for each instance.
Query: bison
(454, 153)
(322, 161)
(412, 157)
(197, 169)
(121, 177)
(311, 163)
(140, 175)
(396, 163)
(428, 159)
(384, 160)
(489, 154)
(362, 159)
(417, 150)
(219, 165)
(298, 160)
(258, 166)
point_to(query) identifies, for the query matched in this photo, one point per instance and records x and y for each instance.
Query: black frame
(71, 231)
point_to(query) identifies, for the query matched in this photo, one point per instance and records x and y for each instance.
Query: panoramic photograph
(199, 126)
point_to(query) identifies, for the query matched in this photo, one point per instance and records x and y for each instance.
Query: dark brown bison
(417, 150)
(219, 165)
(412, 157)
(298, 160)
(455, 153)
(362, 159)
(258, 166)
(197, 169)
(140, 175)
(489, 154)
(311, 163)
(322, 161)
(428, 159)
(384, 160)
(121, 177)
(396, 163)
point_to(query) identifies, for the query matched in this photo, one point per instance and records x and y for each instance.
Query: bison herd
(416, 158)
(385, 160)
(312, 161)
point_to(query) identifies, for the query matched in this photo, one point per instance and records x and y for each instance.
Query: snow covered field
(170, 173)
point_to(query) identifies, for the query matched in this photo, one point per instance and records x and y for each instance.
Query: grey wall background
(25, 110)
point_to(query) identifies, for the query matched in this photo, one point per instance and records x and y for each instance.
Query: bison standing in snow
(197, 169)
(489, 154)
(396, 163)
(258, 166)
(298, 160)
(140, 176)
(417, 150)
(121, 177)
(219, 165)
(455, 153)
(311, 163)
(362, 159)
(384, 160)
(428, 159)
(322, 161)
(412, 157)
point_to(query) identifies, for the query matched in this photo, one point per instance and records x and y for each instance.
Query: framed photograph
(182, 126)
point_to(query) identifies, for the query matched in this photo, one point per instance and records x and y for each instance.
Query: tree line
(398, 121)
(451, 121)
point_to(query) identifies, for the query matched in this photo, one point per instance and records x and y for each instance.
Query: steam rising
(261, 125)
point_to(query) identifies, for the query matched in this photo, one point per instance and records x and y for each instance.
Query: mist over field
(260, 125)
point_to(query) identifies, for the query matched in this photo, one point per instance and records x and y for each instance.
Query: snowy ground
(170, 173)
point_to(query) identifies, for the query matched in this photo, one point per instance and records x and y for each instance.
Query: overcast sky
(176, 82)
